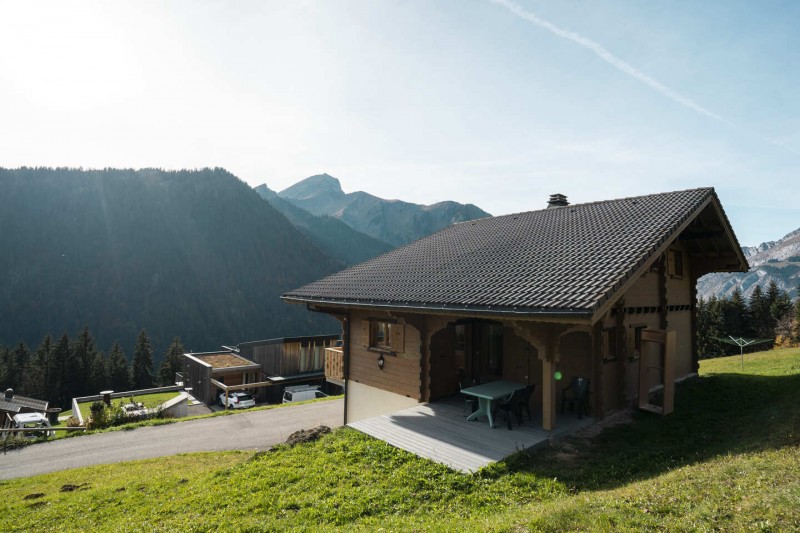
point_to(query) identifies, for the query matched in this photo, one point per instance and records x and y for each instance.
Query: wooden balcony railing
(334, 364)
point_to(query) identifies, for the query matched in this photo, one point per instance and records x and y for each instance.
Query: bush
(98, 419)
(73, 422)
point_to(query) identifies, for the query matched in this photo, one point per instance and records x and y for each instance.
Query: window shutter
(364, 341)
(398, 338)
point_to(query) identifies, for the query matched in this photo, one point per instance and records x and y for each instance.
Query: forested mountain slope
(191, 253)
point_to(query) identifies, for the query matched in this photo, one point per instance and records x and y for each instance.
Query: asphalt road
(253, 430)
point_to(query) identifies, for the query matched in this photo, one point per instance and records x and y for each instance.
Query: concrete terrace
(440, 432)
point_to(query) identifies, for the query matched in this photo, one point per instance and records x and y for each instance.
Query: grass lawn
(728, 458)
(149, 401)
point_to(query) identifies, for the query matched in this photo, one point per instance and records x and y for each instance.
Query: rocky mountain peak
(265, 191)
(777, 261)
(313, 187)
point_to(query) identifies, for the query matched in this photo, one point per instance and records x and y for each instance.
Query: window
(386, 336)
(637, 340)
(461, 338)
(495, 346)
(676, 263)
(380, 335)
(609, 344)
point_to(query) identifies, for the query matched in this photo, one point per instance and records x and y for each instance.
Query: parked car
(237, 400)
(32, 421)
(300, 393)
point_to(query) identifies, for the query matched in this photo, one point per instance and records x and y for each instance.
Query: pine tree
(19, 358)
(171, 363)
(781, 307)
(710, 325)
(62, 359)
(734, 315)
(119, 374)
(142, 362)
(84, 354)
(796, 325)
(759, 314)
(98, 375)
(5, 355)
(36, 373)
(71, 384)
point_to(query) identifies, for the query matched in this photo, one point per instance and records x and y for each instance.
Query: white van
(32, 421)
(300, 393)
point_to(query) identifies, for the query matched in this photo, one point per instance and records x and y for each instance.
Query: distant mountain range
(329, 234)
(774, 260)
(393, 222)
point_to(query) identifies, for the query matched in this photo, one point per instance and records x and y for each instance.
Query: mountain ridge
(777, 261)
(395, 222)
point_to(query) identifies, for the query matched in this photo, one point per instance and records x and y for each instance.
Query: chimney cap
(9, 393)
(557, 200)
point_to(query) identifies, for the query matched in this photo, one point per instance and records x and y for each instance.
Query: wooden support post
(693, 324)
(621, 355)
(548, 394)
(669, 372)
(549, 358)
(662, 292)
(597, 370)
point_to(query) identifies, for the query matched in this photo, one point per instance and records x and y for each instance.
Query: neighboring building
(290, 360)
(567, 291)
(13, 404)
(267, 366)
(203, 371)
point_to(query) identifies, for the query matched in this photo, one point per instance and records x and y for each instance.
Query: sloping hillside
(190, 253)
(392, 221)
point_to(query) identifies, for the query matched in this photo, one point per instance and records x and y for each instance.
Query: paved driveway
(254, 430)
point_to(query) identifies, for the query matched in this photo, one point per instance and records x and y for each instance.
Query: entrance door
(479, 350)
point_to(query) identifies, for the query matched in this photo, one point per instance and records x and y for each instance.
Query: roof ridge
(594, 202)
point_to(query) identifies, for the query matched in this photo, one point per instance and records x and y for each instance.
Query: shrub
(98, 419)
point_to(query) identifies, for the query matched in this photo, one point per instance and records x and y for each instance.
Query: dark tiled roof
(17, 403)
(557, 260)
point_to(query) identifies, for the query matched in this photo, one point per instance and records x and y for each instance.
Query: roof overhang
(727, 257)
(572, 316)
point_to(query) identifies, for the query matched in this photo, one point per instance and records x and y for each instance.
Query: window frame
(372, 343)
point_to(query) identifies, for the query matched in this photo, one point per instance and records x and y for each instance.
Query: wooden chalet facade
(567, 291)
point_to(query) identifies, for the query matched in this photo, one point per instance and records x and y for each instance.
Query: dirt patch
(41, 503)
(307, 435)
(620, 418)
(70, 488)
(567, 449)
(33, 496)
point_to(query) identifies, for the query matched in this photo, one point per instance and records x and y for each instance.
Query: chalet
(602, 290)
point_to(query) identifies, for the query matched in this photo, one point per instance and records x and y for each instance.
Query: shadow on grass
(716, 415)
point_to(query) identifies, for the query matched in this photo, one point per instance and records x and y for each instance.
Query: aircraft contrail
(609, 58)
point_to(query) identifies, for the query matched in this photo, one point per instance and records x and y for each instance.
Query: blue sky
(495, 103)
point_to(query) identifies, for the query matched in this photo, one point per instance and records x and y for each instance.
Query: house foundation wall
(364, 401)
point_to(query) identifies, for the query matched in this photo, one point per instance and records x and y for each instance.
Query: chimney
(557, 200)
(9, 394)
